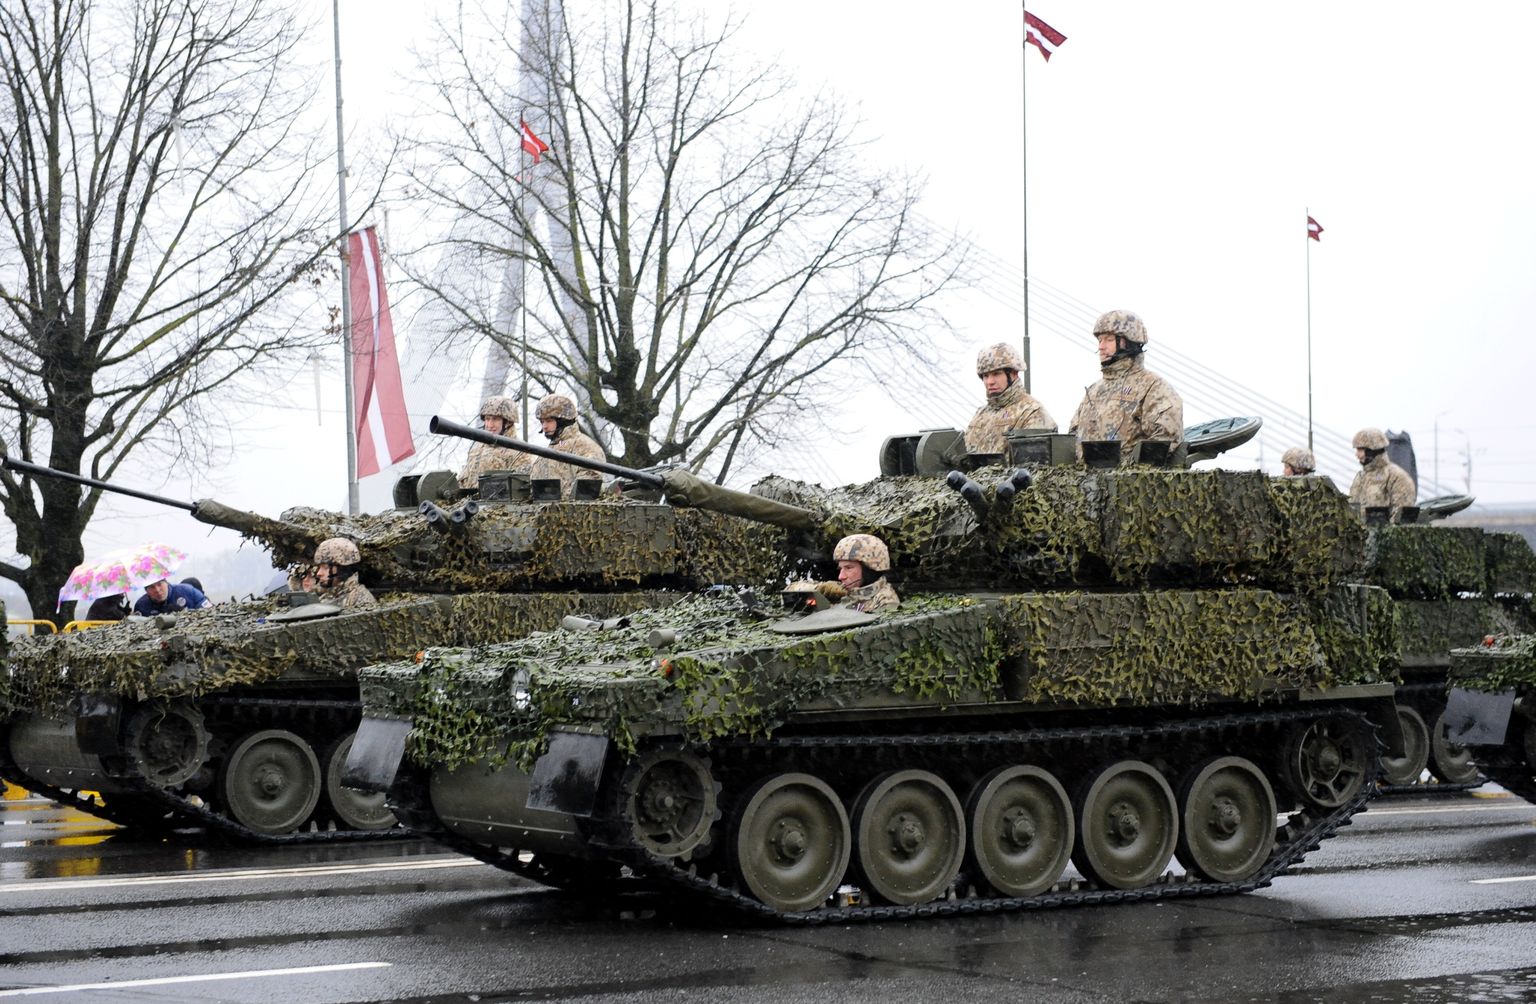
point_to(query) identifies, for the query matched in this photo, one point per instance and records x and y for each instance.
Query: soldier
(1380, 481)
(1296, 462)
(860, 558)
(336, 562)
(1008, 405)
(556, 415)
(498, 415)
(1130, 402)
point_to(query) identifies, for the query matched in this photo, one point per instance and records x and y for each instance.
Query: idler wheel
(271, 781)
(167, 744)
(1327, 762)
(1021, 826)
(910, 834)
(1406, 769)
(357, 810)
(1127, 825)
(1228, 815)
(669, 802)
(1450, 763)
(791, 841)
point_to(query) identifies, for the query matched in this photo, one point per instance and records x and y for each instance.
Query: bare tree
(156, 219)
(708, 250)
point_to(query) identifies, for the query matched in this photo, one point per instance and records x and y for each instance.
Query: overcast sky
(1174, 150)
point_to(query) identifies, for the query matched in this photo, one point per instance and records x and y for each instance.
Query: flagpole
(522, 278)
(1024, 181)
(346, 276)
(1309, 328)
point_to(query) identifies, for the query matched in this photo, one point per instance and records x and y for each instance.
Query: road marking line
(1498, 881)
(1430, 812)
(165, 980)
(235, 875)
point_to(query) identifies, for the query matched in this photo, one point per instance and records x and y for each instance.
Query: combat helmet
(556, 406)
(1299, 459)
(1122, 324)
(337, 551)
(1370, 439)
(865, 548)
(1001, 356)
(500, 406)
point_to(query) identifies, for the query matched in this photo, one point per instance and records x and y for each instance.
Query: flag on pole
(531, 142)
(1041, 35)
(1314, 230)
(377, 394)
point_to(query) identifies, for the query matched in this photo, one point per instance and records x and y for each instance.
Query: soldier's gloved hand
(832, 591)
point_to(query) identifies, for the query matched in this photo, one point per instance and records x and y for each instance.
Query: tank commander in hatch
(862, 559)
(1297, 462)
(1129, 402)
(498, 415)
(336, 562)
(556, 415)
(1380, 481)
(1008, 405)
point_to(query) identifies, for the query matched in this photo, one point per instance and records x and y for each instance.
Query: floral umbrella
(121, 571)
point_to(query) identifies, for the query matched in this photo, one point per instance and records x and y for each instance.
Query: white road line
(1501, 881)
(1513, 804)
(241, 875)
(165, 980)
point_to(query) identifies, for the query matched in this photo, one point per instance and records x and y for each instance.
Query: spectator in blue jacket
(163, 598)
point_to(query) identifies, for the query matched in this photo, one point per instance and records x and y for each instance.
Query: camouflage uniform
(349, 594)
(1382, 483)
(874, 598)
(577, 443)
(1132, 404)
(485, 457)
(1012, 409)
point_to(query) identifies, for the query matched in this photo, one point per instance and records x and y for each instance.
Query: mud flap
(97, 720)
(1473, 718)
(376, 752)
(566, 778)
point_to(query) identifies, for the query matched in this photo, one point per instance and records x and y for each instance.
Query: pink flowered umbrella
(121, 571)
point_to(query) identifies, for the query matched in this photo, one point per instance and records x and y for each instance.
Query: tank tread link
(1228, 845)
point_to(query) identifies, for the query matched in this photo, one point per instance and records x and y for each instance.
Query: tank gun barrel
(680, 487)
(38, 470)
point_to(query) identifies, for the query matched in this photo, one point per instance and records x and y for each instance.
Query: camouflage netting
(1360, 632)
(1427, 562)
(230, 646)
(1511, 563)
(1431, 628)
(1073, 526)
(1503, 663)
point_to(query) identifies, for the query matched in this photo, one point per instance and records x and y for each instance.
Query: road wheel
(1228, 816)
(791, 841)
(355, 810)
(1127, 825)
(1450, 763)
(1020, 829)
(1406, 769)
(910, 834)
(271, 781)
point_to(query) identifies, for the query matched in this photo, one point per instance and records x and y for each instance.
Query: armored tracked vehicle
(1092, 672)
(1492, 709)
(239, 717)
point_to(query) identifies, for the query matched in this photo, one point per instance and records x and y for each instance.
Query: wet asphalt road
(1422, 899)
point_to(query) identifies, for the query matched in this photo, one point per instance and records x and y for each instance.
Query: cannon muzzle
(680, 487)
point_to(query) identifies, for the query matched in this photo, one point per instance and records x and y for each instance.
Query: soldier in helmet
(1130, 402)
(1008, 405)
(1380, 481)
(497, 415)
(1296, 462)
(336, 562)
(862, 559)
(556, 415)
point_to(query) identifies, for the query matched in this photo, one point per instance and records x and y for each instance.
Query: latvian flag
(1314, 230)
(1041, 35)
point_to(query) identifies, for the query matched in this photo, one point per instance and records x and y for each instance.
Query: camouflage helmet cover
(1299, 460)
(556, 406)
(865, 548)
(1001, 356)
(1370, 439)
(501, 406)
(1123, 323)
(337, 551)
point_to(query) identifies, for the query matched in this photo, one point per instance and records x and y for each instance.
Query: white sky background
(1174, 150)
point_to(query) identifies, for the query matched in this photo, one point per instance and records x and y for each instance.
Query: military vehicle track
(738, 760)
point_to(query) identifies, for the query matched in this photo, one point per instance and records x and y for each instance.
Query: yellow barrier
(33, 625)
(82, 625)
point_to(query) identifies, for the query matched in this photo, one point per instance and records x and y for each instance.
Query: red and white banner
(377, 394)
(1314, 230)
(1041, 35)
(531, 142)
